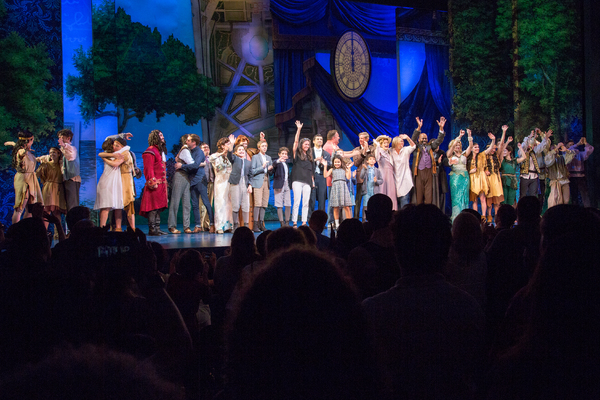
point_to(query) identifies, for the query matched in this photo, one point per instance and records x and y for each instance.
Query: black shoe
(262, 226)
(256, 227)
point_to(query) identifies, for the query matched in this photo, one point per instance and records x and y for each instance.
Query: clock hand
(352, 54)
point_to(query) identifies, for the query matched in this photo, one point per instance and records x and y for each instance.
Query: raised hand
(469, 132)
(419, 123)
(128, 135)
(504, 128)
(231, 139)
(51, 218)
(262, 136)
(403, 136)
(461, 133)
(520, 146)
(441, 122)
(299, 124)
(549, 133)
(510, 139)
(491, 135)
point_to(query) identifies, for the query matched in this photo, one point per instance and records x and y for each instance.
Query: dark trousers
(71, 193)
(542, 195)
(578, 186)
(197, 191)
(318, 193)
(359, 196)
(529, 187)
(424, 186)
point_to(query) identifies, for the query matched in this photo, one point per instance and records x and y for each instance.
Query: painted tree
(26, 101)
(130, 69)
(548, 43)
(479, 66)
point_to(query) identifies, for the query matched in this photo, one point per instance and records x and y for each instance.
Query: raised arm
(450, 150)
(470, 139)
(297, 137)
(489, 150)
(417, 132)
(436, 143)
(522, 155)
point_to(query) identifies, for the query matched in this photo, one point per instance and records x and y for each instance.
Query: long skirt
(459, 191)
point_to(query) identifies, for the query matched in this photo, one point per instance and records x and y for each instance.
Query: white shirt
(318, 153)
(285, 168)
(402, 174)
(186, 156)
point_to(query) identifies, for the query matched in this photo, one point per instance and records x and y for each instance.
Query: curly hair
(24, 137)
(240, 139)
(155, 140)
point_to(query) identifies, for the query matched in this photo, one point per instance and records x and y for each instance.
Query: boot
(262, 226)
(281, 223)
(157, 225)
(235, 226)
(256, 227)
(151, 224)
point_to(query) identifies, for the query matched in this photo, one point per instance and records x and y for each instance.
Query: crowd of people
(406, 304)
(231, 187)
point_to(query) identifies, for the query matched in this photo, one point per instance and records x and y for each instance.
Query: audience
(429, 333)
(317, 222)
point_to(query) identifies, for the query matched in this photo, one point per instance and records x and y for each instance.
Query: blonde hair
(396, 141)
(381, 138)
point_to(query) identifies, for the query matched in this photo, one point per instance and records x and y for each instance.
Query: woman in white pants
(302, 175)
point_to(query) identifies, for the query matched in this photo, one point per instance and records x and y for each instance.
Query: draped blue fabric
(299, 12)
(431, 97)
(353, 118)
(290, 76)
(370, 18)
(438, 62)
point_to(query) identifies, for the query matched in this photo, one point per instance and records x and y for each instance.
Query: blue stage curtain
(431, 97)
(299, 12)
(375, 19)
(352, 117)
(290, 85)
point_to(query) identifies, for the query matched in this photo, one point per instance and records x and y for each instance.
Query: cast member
(302, 175)
(459, 176)
(261, 168)
(154, 197)
(222, 167)
(180, 190)
(386, 167)
(281, 186)
(424, 162)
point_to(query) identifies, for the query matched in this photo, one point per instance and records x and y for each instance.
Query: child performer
(477, 164)
(261, 168)
(239, 186)
(27, 187)
(50, 174)
(70, 168)
(302, 175)
(339, 196)
(281, 186)
(372, 180)
(109, 194)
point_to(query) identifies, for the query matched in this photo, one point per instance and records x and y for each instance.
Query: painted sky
(168, 16)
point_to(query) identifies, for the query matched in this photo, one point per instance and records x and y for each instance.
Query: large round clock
(351, 66)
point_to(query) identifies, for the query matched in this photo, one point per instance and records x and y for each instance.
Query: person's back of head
(77, 214)
(351, 233)
(28, 243)
(189, 264)
(299, 332)
(318, 220)
(528, 210)
(243, 246)
(474, 213)
(379, 211)
(467, 238)
(422, 237)
(505, 216)
(283, 238)
(309, 235)
(261, 243)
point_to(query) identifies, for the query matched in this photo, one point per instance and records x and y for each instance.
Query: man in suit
(260, 169)
(424, 166)
(281, 186)
(239, 185)
(198, 182)
(210, 177)
(319, 191)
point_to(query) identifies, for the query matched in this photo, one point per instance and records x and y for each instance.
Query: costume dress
(459, 185)
(508, 171)
(388, 186)
(339, 195)
(109, 193)
(127, 181)
(154, 169)
(495, 195)
(53, 190)
(26, 183)
(222, 201)
(479, 182)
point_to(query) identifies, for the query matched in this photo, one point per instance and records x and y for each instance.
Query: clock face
(351, 66)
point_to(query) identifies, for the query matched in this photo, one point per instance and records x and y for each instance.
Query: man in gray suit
(260, 169)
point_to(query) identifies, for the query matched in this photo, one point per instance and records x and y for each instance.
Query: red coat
(154, 169)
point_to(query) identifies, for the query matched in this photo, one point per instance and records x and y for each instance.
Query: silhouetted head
(379, 211)
(422, 237)
(283, 238)
(528, 210)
